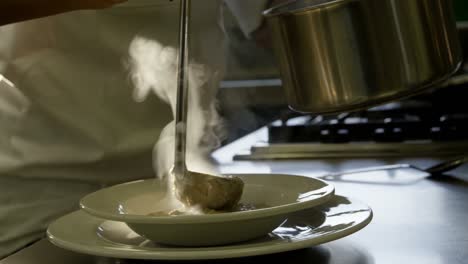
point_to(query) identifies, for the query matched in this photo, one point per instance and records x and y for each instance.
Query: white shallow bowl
(86, 234)
(132, 202)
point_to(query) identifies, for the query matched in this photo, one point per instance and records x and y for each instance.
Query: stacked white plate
(300, 212)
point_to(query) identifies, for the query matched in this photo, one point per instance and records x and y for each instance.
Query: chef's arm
(13, 11)
(249, 15)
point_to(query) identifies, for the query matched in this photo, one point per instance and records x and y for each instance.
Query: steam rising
(153, 68)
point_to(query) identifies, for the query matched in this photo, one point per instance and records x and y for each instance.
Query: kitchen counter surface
(417, 219)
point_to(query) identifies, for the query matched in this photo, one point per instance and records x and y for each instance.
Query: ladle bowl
(209, 191)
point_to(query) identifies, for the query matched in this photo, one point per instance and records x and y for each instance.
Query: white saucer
(87, 234)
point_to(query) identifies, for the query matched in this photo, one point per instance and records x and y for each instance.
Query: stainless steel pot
(345, 55)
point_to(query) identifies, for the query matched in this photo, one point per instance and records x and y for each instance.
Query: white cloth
(77, 108)
(70, 124)
(68, 121)
(28, 206)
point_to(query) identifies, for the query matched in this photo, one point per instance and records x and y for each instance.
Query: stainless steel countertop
(420, 221)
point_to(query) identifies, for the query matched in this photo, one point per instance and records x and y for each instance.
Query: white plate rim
(328, 188)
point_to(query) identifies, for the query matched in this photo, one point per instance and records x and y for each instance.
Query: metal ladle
(192, 188)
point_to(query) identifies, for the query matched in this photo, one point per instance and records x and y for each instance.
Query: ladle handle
(182, 91)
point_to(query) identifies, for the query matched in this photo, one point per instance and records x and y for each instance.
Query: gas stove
(435, 123)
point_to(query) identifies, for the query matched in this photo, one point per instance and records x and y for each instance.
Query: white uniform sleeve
(248, 13)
